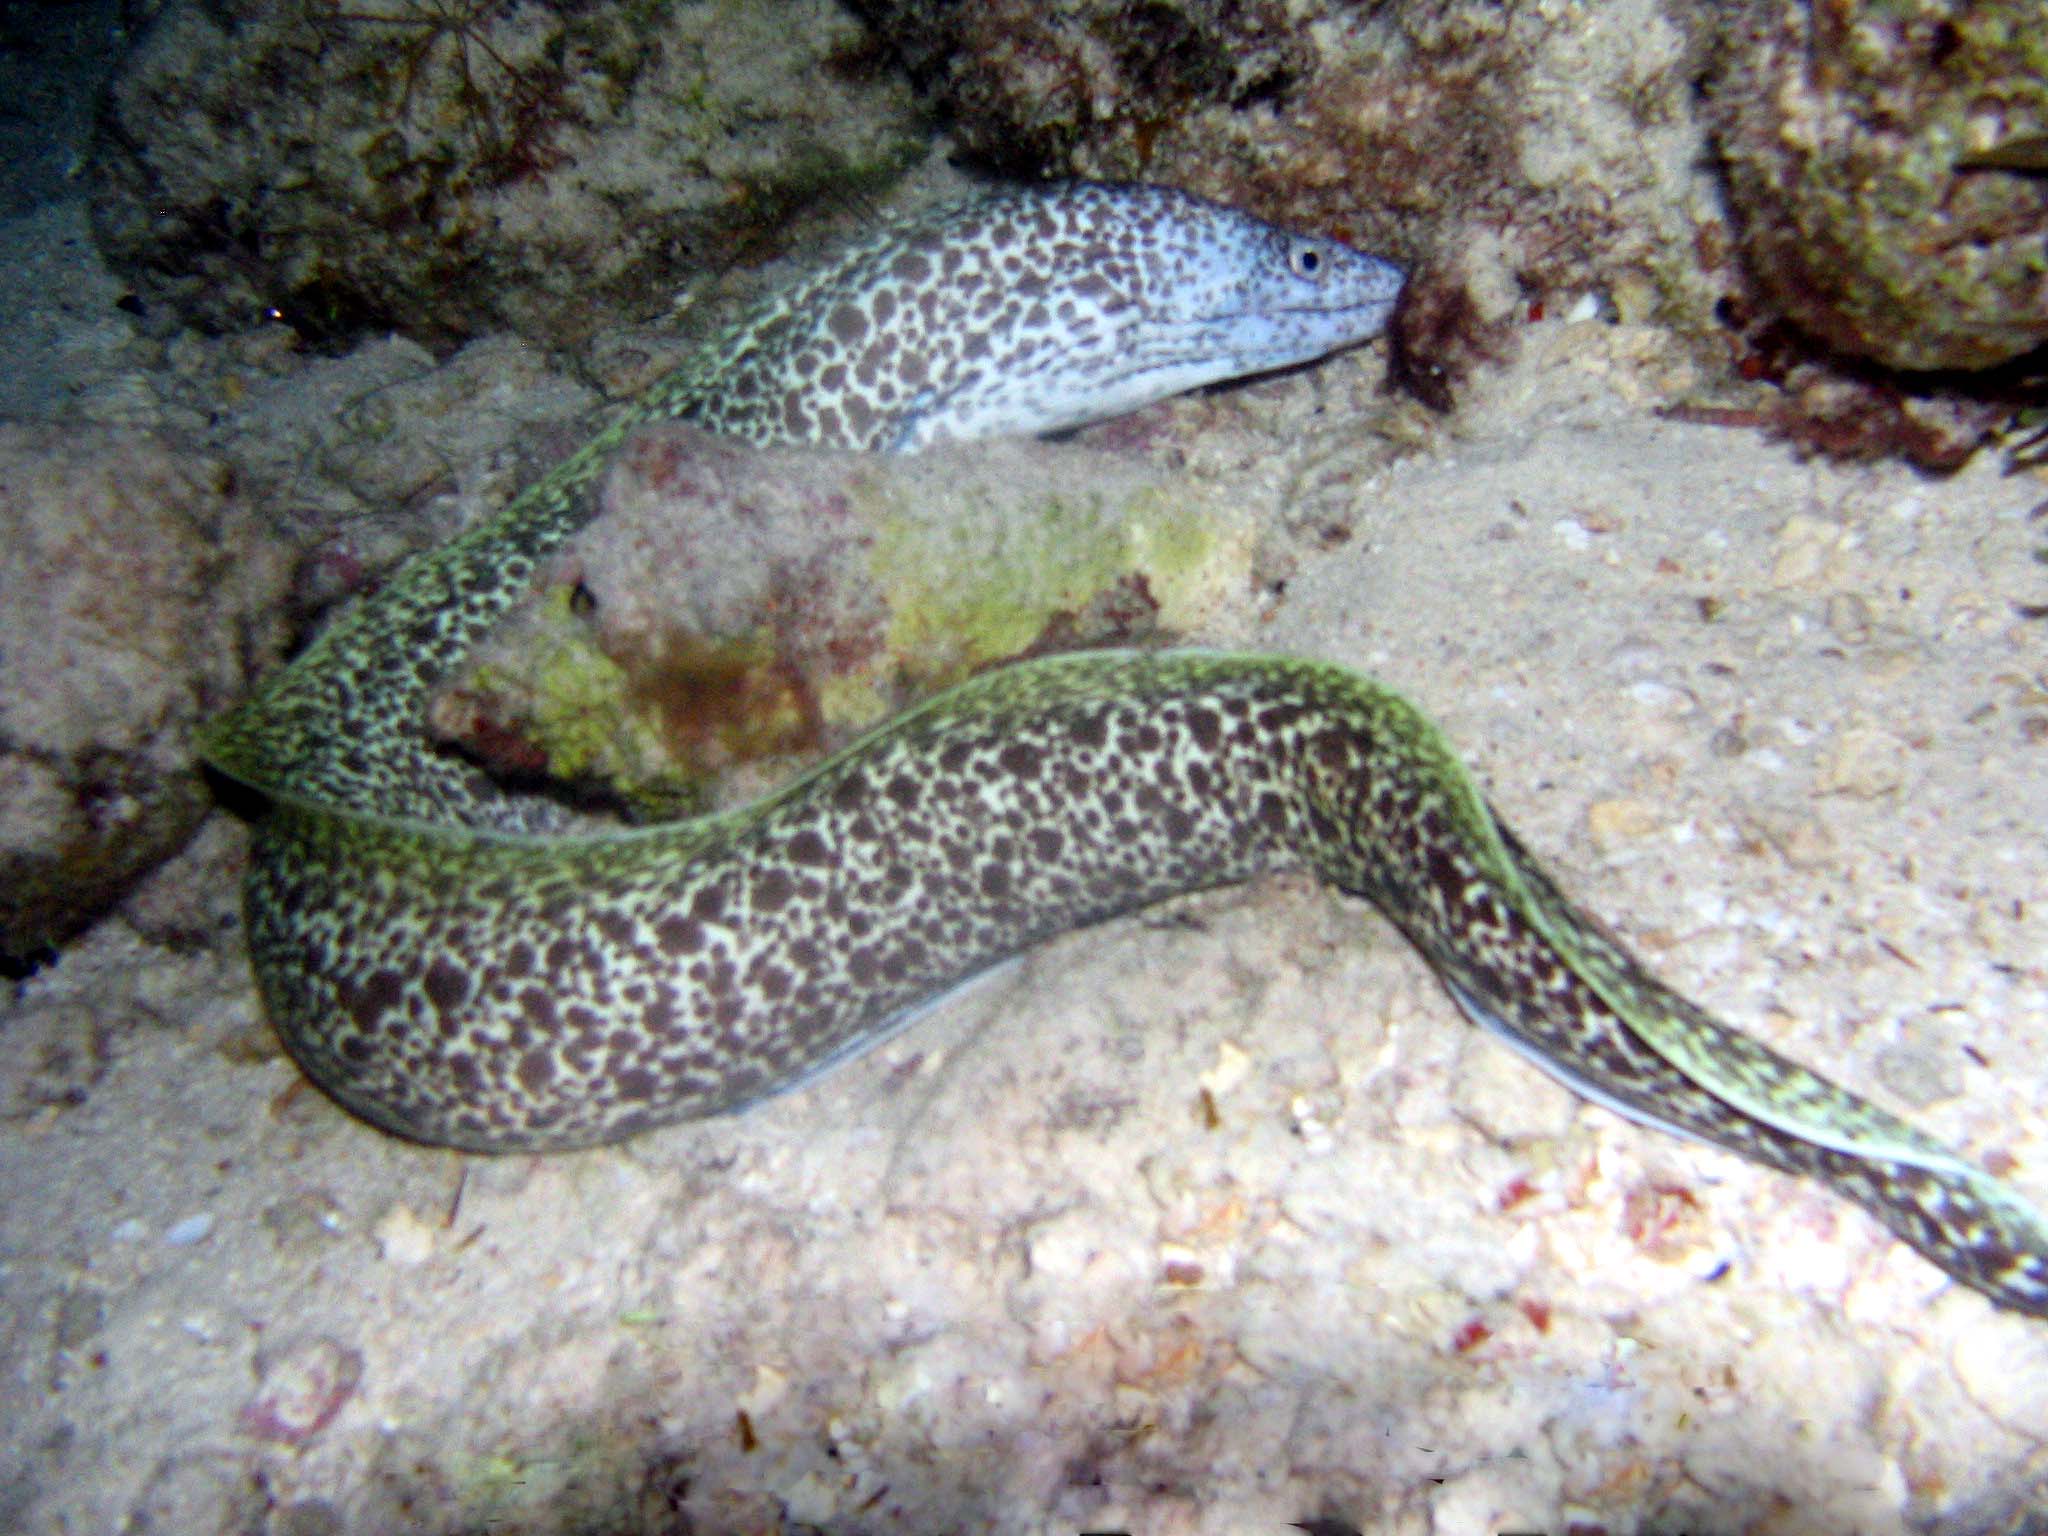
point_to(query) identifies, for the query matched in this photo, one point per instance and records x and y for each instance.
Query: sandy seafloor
(1217, 1218)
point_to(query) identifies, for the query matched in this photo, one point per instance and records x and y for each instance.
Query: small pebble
(403, 1237)
(193, 1229)
(1806, 545)
(1866, 762)
(1232, 1067)
(1848, 617)
(1923, 1066)
(1614, 823)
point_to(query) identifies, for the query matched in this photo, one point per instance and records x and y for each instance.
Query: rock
(444, 168)
(1856, 140)
(127, 574)
(737, 608)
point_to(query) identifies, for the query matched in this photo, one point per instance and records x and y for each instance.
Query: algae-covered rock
(446, 166)
(738, 609)
(1864, 145)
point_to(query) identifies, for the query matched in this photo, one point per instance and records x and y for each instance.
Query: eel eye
(1306, 261)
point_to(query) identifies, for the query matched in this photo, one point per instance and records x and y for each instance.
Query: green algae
(988, 585)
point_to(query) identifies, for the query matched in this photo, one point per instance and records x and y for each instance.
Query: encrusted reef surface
(1868, 164)
(1559, 147)
(446, 166)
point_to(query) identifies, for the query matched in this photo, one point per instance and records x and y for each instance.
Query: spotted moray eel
(451, 967)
